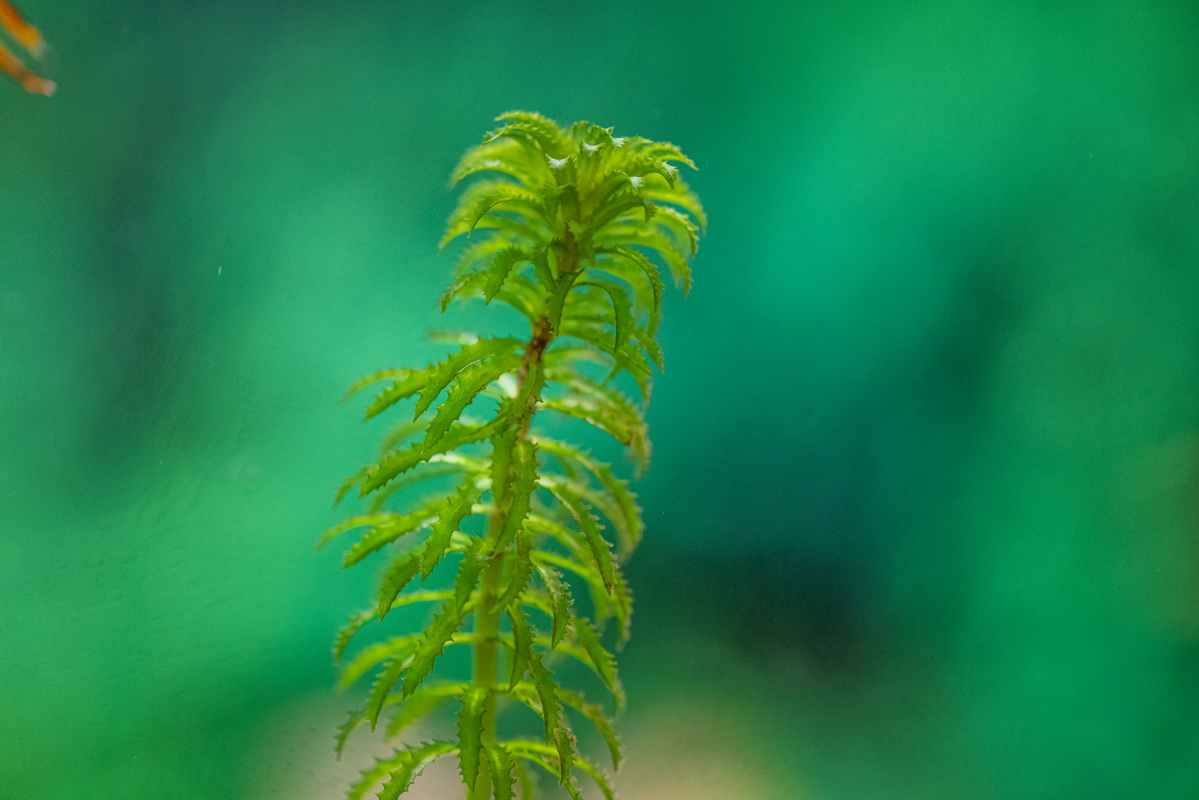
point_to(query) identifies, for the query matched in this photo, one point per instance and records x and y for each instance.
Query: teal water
(923, 517)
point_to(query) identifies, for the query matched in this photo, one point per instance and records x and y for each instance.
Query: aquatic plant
(573, 228)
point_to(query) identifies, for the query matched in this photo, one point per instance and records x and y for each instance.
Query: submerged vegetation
(524, 534)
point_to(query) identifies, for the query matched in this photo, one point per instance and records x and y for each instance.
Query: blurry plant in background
(26, 39)
(578, 226)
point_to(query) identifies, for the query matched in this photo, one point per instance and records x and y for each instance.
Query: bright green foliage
(573, 228)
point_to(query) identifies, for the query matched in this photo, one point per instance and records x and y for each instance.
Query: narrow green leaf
(347, 631)
(352, 523)
(547, 131)
(524, 468)
(384, 682)
(470, 733)
(623, 511)
(375, 377)
(501, 772)
(344, 731)
(650, 346)
(557, 730)
(469, 383)
(354, 480)
(648, 268)
(445, 624)
(419, 704)
(605, 408)
(400, 389)
(499, 268)
(373, 656)
(440, 466)
(502, 445)
(622, 309)
(409, 764)
(522, 644)
(595, 713)
(520, 573)
(388, 531)
(546, 758)
(588, 526)
(398, 575)
(559, 594)
(445, 371)
(398, 462)
(449, 520)
(600, 658)
(356, 622)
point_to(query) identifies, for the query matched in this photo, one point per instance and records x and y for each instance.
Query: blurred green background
(924, 511)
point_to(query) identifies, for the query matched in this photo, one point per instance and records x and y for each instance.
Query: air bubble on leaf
(557, 163)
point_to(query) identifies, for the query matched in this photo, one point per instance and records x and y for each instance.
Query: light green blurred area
(922, 520)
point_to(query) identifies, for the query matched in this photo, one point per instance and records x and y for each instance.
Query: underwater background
(923, 516)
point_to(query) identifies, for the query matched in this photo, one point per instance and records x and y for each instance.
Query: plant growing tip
(573, 228)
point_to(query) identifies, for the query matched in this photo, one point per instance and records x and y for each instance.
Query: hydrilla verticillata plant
(573, 228)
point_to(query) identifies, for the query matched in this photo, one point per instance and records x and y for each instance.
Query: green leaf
(595, 713)
(522, 570)
(623, 511)
(398, 575)
(400, 389)
(495, 157)
(547, 132)
(356, 622)
(420, 704)
(622, 309)
(352, 523)
(347, 631)
(484, 199)
(546, 758)
(557, 730)
(470, 733)
(445, 371)
(408, 765)
(601, 659)
(559, 594)
(650, 270)
(375, 377)
(446, 623)
(522, 644)
(501, 265)
(441, 466)
(373, 656)
(387, 531)
(517, 291)
(650, 346)
(384, 682)
(468, 385)
(398, 462)
(608, 410)
(621, 236)
(501, 771)
(449, 520)
(344, 731)
(524, 468)
(588, 526)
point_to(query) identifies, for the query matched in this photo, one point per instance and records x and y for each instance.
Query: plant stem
(487, 617)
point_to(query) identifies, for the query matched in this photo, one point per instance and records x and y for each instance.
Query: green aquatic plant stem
(572, 228)
(487, 618)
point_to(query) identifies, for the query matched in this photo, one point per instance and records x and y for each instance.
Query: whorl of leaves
(574, 228)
